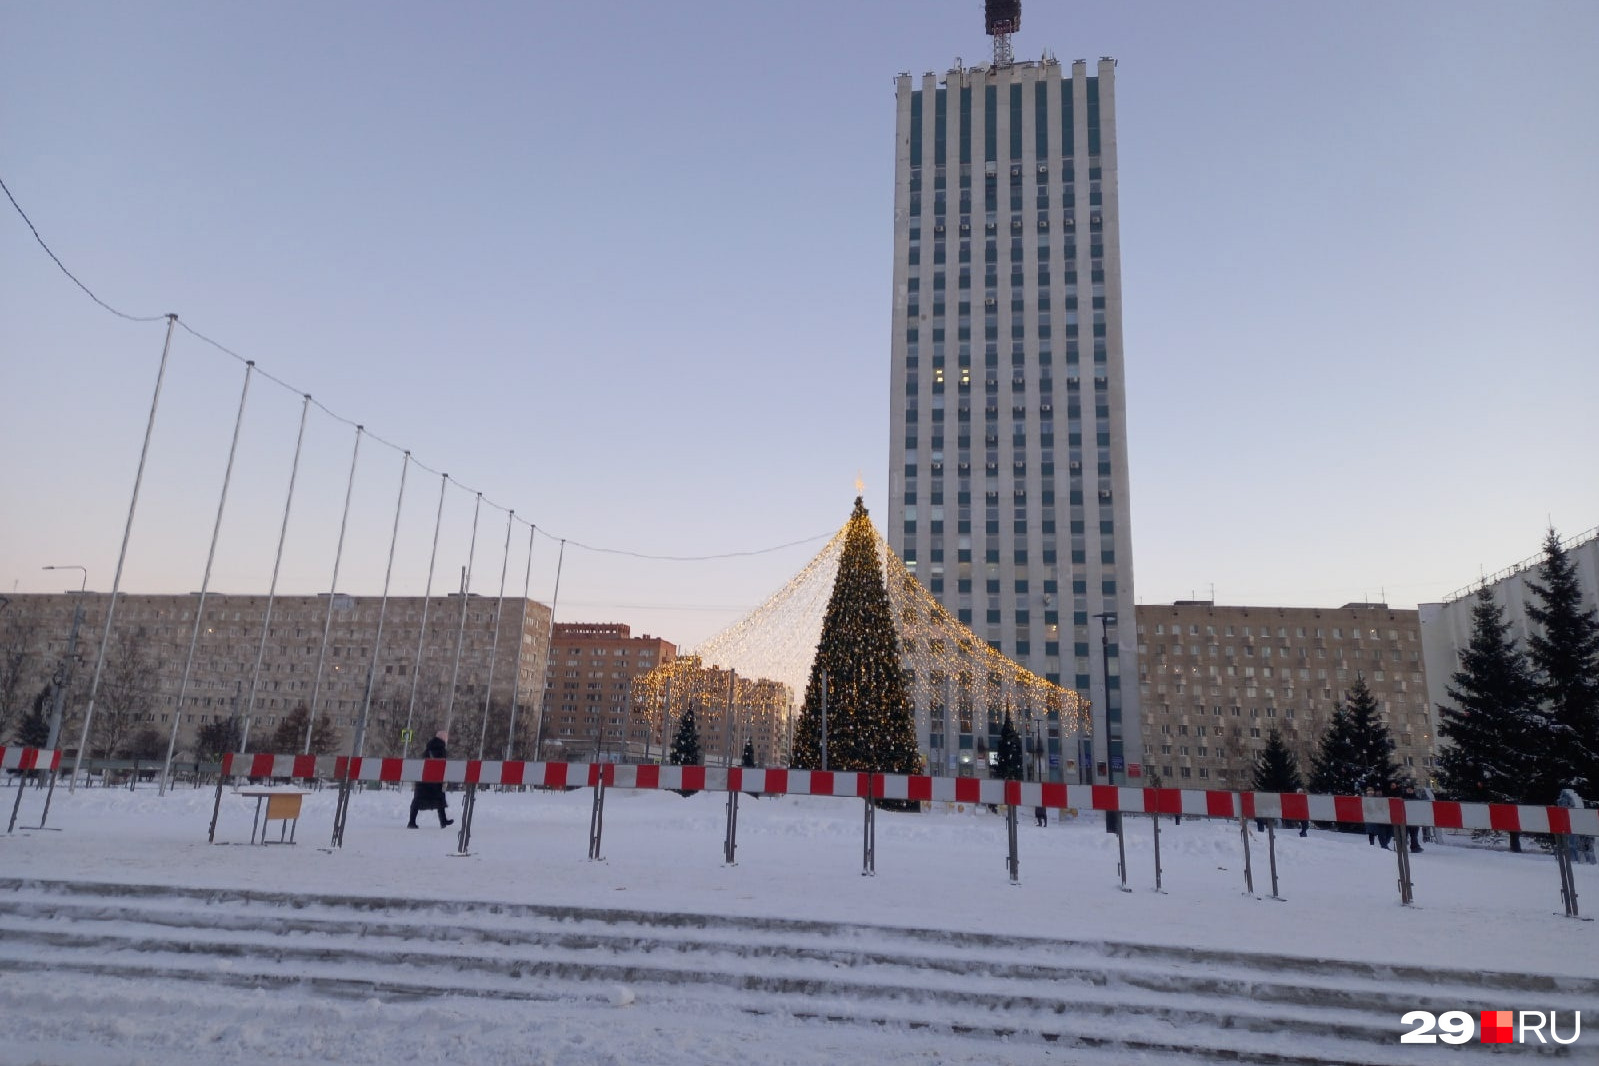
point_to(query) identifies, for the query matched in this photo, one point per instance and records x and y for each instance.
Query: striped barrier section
(14, 758)
(21, 760)
(1293, 806)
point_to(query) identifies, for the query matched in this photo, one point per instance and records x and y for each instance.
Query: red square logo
(1496, 1026)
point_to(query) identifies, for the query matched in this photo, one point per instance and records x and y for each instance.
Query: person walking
(1040, 815)
(429, 795)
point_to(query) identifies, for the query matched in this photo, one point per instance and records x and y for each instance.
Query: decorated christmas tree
(1010, 766)
(686, 744)
(869, 725)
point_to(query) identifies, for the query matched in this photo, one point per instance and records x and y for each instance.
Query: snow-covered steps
(1118, 1001)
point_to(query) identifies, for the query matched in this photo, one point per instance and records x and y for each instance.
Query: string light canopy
(949, 665)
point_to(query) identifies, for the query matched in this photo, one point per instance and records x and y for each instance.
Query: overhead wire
(377, 438)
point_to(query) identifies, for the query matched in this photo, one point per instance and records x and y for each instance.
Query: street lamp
(1106, 620)
(65, 671)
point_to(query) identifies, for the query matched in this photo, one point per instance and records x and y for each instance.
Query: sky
(625, 268)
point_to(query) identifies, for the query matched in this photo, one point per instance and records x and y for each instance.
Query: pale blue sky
(625, 266)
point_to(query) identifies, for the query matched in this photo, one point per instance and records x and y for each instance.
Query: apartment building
(588, 690)
(432, 662)
(1215, 680)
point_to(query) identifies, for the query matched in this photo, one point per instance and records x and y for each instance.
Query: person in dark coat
(429, 795)
(1040, 815)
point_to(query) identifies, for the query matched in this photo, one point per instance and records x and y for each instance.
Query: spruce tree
(1564, 652)
(1356, 751)
(1010, 766)
(289, 737)
(686, 744)
(33, 731)
(869, 721)
(1276, 769)
(1490, 730)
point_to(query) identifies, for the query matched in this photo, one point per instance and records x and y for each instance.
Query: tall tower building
(1008, 486)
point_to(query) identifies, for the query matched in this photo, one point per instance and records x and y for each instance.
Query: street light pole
(1106, 620)
(65, 671)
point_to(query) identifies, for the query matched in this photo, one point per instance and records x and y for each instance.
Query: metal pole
(824, 719)
(516, 682)
(544, 700)
(65, 673)
(333, 591)
(1568, 877)
(494, 645)
(277, 565)
(727, 719)
(1121, 853)
(1012, 862)
(358, 748)
(666, 717)
(460, 633)
(1406, 896)
(421, 630)
(1157, 853)
(1271, 856)
(1249, 870)
(205, 581)
(122, 555)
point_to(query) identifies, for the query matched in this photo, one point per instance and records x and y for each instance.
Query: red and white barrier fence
(14, 758)
(23, 759)
(1292, 806)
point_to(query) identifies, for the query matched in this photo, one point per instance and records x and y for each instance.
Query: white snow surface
(1475, 908)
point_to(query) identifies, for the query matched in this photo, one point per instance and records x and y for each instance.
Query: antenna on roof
(1002, 18)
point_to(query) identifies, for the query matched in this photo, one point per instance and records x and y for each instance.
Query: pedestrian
(1304, 827)
(429, 795)
(1412, 831)
(1371, 827)
(1040, 815)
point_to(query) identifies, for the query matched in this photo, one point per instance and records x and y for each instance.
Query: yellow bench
(280, 806)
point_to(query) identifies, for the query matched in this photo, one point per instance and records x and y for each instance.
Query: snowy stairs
(1114, 1000)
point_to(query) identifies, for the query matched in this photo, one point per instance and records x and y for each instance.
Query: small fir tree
(1492, 728)
(1356, 752)
(33, 731)
(216, 739)
(686, 744)
(1010, 766)
(1276, 769)
(1564, 653)
(869, 721)
(289, 737)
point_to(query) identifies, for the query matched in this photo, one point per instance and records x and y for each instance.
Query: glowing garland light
(778, 640)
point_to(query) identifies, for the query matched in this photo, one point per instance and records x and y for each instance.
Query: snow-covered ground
(1476, 909)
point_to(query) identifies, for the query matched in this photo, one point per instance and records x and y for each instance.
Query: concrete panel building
(493, 654)
(588, 691)
(1215, 680)
(1008, 479)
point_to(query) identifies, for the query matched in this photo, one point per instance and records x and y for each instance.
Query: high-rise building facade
(1008, 481)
